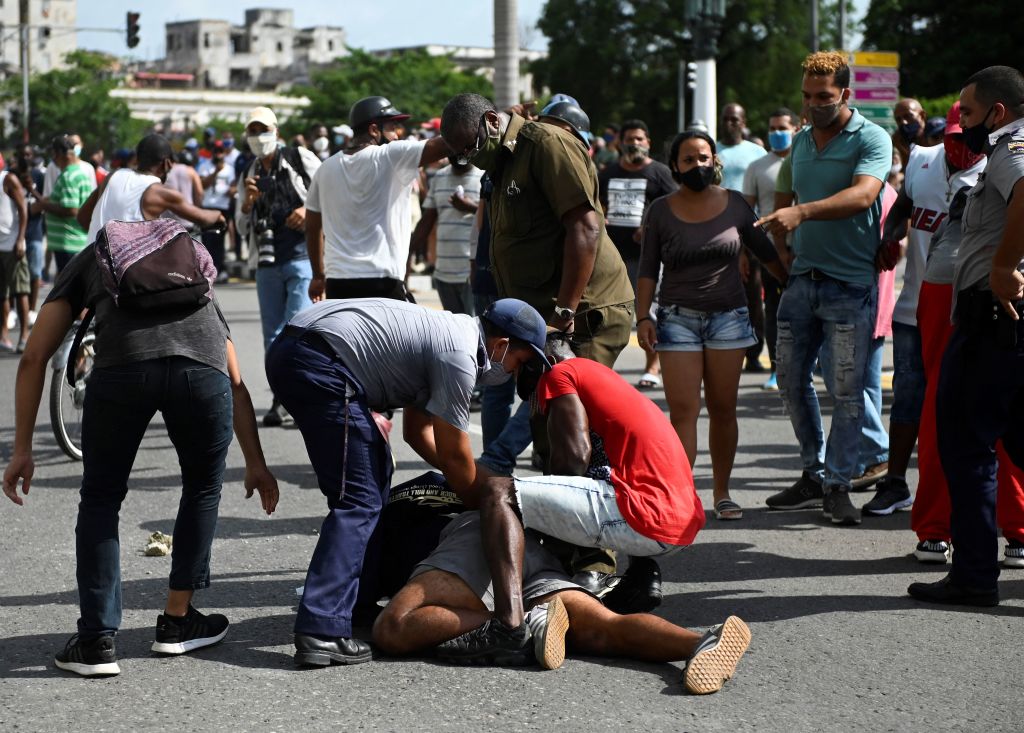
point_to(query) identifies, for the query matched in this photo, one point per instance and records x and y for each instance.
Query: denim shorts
(34, 250)
(908, 380)
(684, 329)
(582, 511)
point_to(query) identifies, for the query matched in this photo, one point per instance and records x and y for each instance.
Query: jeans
(353, 467)
(874, 440)
(908, 380)
(34, 251)
(282, 291)
(197, 407)
(501, 453)
(817, 310)
(455, 297)
(496, 403)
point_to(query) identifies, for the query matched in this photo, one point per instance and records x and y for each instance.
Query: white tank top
(8, 218)
(121, 199)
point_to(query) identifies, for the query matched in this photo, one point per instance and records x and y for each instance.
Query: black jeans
(195, 400)
(368, 287)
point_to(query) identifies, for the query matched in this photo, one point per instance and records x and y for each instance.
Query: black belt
(817, 275)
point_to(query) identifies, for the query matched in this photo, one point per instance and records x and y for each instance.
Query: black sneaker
(932, 551)
(177, 635)
(838, 506)
(93, 658)
(639, 589)
(891, 495)
(804, 494)
(277, 416)
(492, 643)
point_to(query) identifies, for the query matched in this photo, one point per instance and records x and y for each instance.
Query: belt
(311, 338)
(817, 275)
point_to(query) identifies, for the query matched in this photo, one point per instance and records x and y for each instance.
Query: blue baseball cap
(522, 321)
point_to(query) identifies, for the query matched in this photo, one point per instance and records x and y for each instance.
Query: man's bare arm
(842, 205)
(569, 434)
(582, 230)
(158, 198)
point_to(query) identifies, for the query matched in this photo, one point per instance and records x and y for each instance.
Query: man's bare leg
(430, 609)
(503, 540)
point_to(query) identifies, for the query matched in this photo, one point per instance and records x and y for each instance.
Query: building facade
(51, 34)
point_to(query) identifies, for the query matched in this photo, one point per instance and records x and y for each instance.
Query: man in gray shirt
(981, 387)
(332, 367)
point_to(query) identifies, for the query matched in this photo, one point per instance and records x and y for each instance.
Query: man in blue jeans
(331, 367)
(272, 206)
(839, 167)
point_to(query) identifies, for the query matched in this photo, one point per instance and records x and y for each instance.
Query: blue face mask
(780, 139)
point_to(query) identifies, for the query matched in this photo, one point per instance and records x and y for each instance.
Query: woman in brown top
(694, 237)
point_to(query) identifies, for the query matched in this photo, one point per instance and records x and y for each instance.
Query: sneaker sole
(1013, 562)
(550, 650)
(850, 521)
(932, 558)
(902, 504)
(708, 671)
(808, 504)
(183, 647)
(107, 669)
(863, 483)
(326, 659)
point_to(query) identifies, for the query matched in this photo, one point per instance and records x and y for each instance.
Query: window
(206, 40)
(330, 44)
(280, 47)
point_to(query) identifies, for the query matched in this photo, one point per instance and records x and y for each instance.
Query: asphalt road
(837, 644)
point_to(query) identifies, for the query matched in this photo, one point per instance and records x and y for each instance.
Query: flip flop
(6, 347)
(649, 381)
(728, 510)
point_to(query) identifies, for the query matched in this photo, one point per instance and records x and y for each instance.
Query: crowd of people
(548, 247)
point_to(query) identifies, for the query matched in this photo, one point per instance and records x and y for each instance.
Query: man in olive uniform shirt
(549, 246)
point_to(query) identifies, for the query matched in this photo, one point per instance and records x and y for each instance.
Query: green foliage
(75, 99)
(416, 82)
(943, 43)
(938, 106)
(621, 59)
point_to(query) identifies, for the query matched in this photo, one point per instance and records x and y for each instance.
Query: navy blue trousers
(353, 468)
(980, 400)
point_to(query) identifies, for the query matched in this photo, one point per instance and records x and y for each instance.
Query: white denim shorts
(583, 512)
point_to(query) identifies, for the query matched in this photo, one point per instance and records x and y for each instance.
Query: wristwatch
(564, 314)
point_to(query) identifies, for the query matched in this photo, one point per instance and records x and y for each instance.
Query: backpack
(147, 266)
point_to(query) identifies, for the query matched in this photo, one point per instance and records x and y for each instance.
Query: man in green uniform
(549, 246)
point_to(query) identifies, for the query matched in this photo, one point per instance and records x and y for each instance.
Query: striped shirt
(453, 226)
(63, 233)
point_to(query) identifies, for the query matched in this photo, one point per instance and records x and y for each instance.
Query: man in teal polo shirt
(840, 164)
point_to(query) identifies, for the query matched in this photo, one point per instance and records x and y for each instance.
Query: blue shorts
(34, 251)
(684, 329)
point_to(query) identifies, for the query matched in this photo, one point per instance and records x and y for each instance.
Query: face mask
(339, 140)
(697, 178)
(909, 131)
(608, 137)
(78, 150)
(229, 143)
(823, 115)
(263, 144)
(485, 157)
(896, 169)
(635, 153)
(780, 140)
(976, 137)
(958, 155)
(494, 373)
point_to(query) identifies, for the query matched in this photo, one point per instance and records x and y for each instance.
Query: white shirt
(8, 218)
(121, 199)
(364, 199)
(53, 172)
(216, 196)
(453, 226)
(928, 184)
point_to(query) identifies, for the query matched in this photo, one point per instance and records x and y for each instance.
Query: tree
(620, 59)
(75, 99)
(416, 82)
(943, 43)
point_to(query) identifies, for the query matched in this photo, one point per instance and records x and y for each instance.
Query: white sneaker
(932, 551)
(548, 624)
(32, 318)
(12, 320)
(1013, 555)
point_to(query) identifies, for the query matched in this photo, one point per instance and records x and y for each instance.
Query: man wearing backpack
(272, 216)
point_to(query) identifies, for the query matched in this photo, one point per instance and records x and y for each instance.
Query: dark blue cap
(522, 321)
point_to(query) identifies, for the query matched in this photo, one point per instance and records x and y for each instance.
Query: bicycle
(66, 402)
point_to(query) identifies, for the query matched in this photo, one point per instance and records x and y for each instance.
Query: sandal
(649, 381)
(727, 509)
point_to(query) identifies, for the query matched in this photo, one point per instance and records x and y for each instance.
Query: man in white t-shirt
(933, 176)
(358, 217)
(451, 204)
(759, 191)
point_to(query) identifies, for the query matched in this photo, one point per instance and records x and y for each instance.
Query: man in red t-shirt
(648, 508)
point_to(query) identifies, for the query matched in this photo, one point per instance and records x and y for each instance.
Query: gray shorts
(461, 552)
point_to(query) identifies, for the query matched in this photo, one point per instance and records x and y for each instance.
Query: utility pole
(25, 46)
(842, 25)
(506, 54)
(814, 25)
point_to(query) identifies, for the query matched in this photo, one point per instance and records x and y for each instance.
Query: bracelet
(645, 318)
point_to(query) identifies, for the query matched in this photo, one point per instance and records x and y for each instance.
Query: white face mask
(263, 144)
(494, 373)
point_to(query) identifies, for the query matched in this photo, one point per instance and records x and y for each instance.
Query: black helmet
(571, 113)
(373, 109)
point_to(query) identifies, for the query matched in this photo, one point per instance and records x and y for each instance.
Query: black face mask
(909, 131)
(697, 178)
(976, 136)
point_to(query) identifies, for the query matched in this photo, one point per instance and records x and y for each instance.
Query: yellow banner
(884, 59)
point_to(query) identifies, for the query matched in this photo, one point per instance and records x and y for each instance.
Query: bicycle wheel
(66, 402)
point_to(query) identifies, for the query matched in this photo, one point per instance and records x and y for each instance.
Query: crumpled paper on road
(159, 545)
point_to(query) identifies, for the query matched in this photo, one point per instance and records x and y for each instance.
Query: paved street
(837, 645)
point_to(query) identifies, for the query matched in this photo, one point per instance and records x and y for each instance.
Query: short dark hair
(786, 112)
(633, 124)
(1003, 84)
(61, 145)
(682, 138)
(464, 111)
(152, 150)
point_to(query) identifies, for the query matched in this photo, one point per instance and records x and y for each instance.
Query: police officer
(981, 387)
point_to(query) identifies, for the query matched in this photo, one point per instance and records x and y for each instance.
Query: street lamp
(704, 20)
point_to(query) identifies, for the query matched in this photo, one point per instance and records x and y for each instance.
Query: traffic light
(132, 26)
(691, 75)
